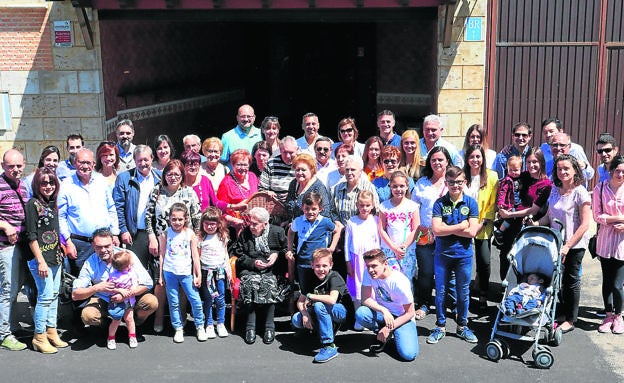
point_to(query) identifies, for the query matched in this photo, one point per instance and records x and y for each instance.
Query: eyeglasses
(88, 163)
(521, 135)
(348, 130)
(604, 150)
(455, 182)
(47, 183)
(246, 117)
(173, 175)
(192, 164)
(323, 150)
(393, 162)
(559, 145)
(241, 166)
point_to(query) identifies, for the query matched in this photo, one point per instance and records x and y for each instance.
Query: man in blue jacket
(131, 194)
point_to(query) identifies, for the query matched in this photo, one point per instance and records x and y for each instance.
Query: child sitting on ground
(327, 307)
(123, 278)
(526, 296)
(508, 196)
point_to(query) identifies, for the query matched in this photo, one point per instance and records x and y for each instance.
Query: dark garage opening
(335, 68)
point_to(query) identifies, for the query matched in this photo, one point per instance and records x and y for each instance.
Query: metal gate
(556, 58)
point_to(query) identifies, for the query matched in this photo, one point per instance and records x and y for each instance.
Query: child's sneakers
(178, 337)
(221, 330)
(201, 334)
(607, 323)
(466, 334)
(326, 353)
(436, 335)
(111, 344)
(618, 324)
(210, 332)
(132, 342)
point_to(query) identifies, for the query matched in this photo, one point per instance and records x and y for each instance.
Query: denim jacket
(126, 196)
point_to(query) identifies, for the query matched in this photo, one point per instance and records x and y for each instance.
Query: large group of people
(371, 230)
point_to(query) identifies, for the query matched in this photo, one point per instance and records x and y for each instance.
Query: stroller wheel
(494, 350)
(544, 359)
(505, 347)
(556, 338)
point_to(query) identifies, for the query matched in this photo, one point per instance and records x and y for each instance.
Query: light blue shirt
(65, 169)
(576, 151)
(95, 270)
(603, 173)
(425, 195)
(457, 159)
(237, 139)
(84, 208)
(500, 162)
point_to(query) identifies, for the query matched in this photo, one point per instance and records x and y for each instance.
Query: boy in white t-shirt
(391, 310)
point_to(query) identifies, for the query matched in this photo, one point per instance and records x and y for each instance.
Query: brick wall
(25, 37)
(53, 91)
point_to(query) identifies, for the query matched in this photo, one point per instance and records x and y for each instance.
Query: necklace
(212, 170)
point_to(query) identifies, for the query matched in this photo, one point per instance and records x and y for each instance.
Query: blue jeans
(405, 337)
(6, 268)
(172, 283)
(325, 315)
(208, 300)
(443, 268)
(47, 296)
(424, 281)
(83, 251)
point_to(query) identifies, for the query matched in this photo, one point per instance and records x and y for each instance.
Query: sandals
(421, 313)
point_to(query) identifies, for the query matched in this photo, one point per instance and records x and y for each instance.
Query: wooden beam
(85, 27)
(448, 25)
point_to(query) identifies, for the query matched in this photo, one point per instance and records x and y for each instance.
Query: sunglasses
(47, 183)
(387, 162)
(323, 150)
(519, 135)
(348, 130)
(605, 150)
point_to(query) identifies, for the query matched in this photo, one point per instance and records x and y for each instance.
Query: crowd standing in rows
(371, 228)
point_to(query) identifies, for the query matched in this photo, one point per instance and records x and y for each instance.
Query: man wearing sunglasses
(607, 149)
(550, 127)
(324, 163)
(521, 136)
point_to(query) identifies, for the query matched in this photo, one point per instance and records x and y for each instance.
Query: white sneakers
(133, 342)
(201, 334)
(111, 344)
(210, 332)
(221, 330)
(179, 336)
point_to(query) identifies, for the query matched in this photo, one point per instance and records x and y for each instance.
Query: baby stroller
(536, 249)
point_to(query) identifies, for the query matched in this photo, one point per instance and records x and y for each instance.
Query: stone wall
(461, 76)
(52, 91)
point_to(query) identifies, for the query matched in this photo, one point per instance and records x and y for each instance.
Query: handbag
(593, 241)
(425, 237)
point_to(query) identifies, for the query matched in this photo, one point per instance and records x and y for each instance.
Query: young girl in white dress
(399, 219)
(361, 235)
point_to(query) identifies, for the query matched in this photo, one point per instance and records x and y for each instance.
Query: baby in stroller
(525, 297)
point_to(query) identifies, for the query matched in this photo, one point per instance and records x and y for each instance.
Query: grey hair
(260, 213)
(125, 122)
(289, 139)
(355, 160)
(193, 136)
(433, 118)
(142, 148)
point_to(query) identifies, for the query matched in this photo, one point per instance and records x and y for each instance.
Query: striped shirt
(11, 208)
(345, 201)
(276, 177)
(607, 203)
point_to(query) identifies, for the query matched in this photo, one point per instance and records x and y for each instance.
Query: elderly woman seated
(260, 249)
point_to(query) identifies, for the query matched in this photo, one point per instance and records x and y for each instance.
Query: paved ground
(585, 355)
